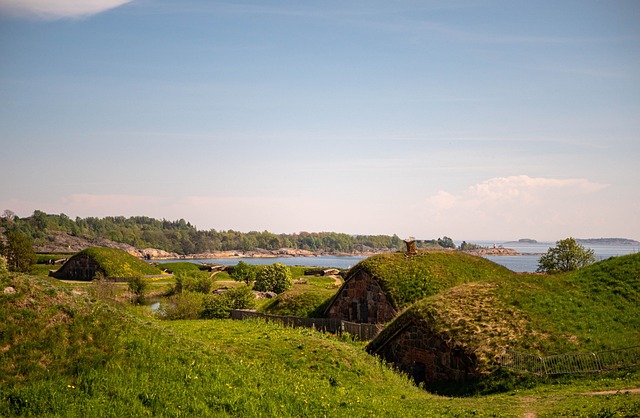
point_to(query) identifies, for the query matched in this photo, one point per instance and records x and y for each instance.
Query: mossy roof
(118, 263)
(469, 316)
(592, 309)
(406, 279)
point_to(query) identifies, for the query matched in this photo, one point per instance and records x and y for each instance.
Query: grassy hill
(408, 279)
(593, 309)
(112, 262)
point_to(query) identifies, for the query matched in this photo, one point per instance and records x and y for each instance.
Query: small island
(608, 241)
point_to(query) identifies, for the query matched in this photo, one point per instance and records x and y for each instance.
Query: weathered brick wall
(426, 357)
(362, 300)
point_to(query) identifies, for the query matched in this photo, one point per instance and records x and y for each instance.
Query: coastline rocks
(493, 251)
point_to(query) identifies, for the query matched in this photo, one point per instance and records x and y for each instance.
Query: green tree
(19, 252)
(567, 255)
(244, 272)
(446, 242)
(273, 278)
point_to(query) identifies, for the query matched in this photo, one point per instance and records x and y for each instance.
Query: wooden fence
(571, 363)
(363, 332)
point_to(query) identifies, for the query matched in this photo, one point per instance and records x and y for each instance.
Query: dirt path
(613, 392)
(527, 402)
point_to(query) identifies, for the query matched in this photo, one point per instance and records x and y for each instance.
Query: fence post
(597, 360)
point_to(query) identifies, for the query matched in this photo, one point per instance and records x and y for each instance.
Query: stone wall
(361, 300)
(426, 357)
(78, 267)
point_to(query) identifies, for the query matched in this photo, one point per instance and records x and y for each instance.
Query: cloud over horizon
(511, 205)
(498, 208)
(57, 9)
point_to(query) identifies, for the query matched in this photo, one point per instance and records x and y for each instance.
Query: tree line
(182, 237)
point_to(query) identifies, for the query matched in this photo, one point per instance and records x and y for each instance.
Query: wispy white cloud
(515, 205)
(57, 9)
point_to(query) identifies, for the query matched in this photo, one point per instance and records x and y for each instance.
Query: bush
(220, 306)
(273, 278)
(102, 288)
(187, 305)
(3, 264)
(244, 272)
(137, 286)
(197, 281)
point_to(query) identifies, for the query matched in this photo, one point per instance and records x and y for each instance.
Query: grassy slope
(593, 309)
(117, 263)
(67, 356)
(408, 279)
(308, 298)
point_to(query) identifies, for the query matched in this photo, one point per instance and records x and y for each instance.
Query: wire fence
(571, 363)
(363, 332)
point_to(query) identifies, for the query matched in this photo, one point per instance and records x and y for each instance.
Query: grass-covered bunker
(377, 288)
(459, 333)
(112, 263)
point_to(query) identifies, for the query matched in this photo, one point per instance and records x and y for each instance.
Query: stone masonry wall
(426, 357)
(362, 300)
(79, 267)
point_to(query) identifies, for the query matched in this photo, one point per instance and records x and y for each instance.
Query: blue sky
(475, 120)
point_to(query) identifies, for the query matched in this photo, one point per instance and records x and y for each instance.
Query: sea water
(527, 261)
(530, 253)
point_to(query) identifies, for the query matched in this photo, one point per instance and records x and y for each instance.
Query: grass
(114, 263)
(309, 296)
(408, 279)
(590, 310)
(64, 354)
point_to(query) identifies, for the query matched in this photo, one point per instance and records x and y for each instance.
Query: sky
(476, 120)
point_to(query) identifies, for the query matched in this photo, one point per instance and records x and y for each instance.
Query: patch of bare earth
(614, 392)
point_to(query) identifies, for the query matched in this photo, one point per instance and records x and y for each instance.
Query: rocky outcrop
(492, 251)
(61, 242)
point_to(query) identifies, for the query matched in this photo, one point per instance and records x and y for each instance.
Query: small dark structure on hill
(79, 267)
(110, 263)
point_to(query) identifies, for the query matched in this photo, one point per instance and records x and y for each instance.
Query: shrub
(102, 288)
(220, 306)
(137, 286)
(244, 272)
(196, 281)
(187, 305)
(3, 264)
(273, 278)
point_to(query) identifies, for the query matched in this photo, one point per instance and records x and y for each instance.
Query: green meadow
(66, 353)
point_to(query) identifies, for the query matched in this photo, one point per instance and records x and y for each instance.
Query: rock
(9, 290)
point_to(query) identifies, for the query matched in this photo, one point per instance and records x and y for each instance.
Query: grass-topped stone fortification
(459, 334)
(108, 262)
(379, 287)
